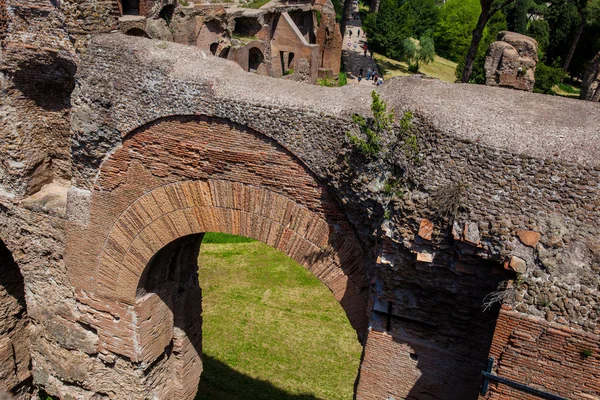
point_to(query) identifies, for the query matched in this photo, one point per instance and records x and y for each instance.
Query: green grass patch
(271, 330)
(564, 89)
(255, 4)
(221, 238)
(440, 68)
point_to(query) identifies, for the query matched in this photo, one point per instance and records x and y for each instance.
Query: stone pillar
(511, 61)
(590, 87)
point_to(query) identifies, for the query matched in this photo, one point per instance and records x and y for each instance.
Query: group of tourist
(371, 75)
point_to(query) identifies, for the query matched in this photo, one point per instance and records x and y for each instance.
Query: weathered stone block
(511, 61)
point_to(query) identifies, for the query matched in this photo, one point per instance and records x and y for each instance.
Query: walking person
(369, 73)
(375, 78)
(360, 74)
(365, 50)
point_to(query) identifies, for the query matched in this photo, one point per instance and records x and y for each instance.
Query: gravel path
(353, 53)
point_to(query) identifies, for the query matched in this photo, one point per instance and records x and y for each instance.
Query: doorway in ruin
(14, 334)
(213, 48)
(255, 59)
(130, 7)
(264, 325)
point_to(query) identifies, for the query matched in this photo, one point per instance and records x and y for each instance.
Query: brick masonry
(546, 356)
(530, 164)
(182, 176)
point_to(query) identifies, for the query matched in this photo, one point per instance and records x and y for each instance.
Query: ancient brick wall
(529, 166)
(183, 176)
(545, 356)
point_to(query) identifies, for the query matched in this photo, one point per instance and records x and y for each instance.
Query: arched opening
(255, 59)
(265, 327)
(224, 53)
(14, 337)
(166, 13)
(212, 175)
(246, 27)
(130, 7)
(137, 32)
(213, 48)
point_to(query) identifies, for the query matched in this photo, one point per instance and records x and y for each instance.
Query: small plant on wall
(372, 129)
(586, 353)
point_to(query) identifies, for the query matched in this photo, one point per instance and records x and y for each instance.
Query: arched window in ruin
(137, 32)
(166, 13)
(130, 7)
(224, 53)
(255, 58)
(213, 48)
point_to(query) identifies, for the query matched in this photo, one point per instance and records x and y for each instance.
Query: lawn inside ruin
(271, 330)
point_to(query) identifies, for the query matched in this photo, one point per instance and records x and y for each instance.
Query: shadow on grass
(221, 382)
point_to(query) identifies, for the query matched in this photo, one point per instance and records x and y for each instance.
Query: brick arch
(184, 175)
(184, 208)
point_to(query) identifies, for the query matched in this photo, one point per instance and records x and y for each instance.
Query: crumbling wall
(14, 330)
(37, 77)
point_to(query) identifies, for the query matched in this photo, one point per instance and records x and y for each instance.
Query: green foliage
(516, 15)
(585, 353)
(410, 144)
(372, 129)
(339, 10)
(547, 76)
(568, 88)
(328, 82)
(496, 24)
(452, 34)
(387, 214)
(184, 3)
(540, 31)
(256, 4)
(342, 78)
(397, 21)
(289, 71)
(318, 15)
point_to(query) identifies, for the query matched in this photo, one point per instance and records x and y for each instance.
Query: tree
(398, 20)
(453, 30)
(516, 15)
(417, 53)
(584, 12)
(488, 9)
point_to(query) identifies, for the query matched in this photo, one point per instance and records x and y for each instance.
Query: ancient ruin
(511, 60)
(298, 40)
(472, 238)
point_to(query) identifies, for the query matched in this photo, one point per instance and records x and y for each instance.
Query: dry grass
(278, 329)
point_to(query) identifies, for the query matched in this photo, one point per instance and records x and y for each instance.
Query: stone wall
(14, 331)
(513, 192)
(142, 116)
(37, 67)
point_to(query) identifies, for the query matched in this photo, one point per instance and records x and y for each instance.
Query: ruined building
(470, 242)
(299, 40)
